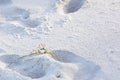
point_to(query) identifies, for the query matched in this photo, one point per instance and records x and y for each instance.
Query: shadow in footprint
(89, 71)
(11, 29)
(14, 13)
(38, 66)
(69, 57)
(30, 23)
(3, 2)
(8, 59)
(26, 66)
(2, 51)
(73, 6)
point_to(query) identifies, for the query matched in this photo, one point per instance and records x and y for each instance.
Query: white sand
(85, 36)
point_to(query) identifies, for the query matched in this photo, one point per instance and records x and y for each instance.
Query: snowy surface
(84, 35)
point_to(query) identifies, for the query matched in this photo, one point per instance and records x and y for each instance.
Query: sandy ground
(83, 34)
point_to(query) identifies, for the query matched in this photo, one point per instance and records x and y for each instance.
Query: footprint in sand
(5, 2)
(70, 6)
(43, 67)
